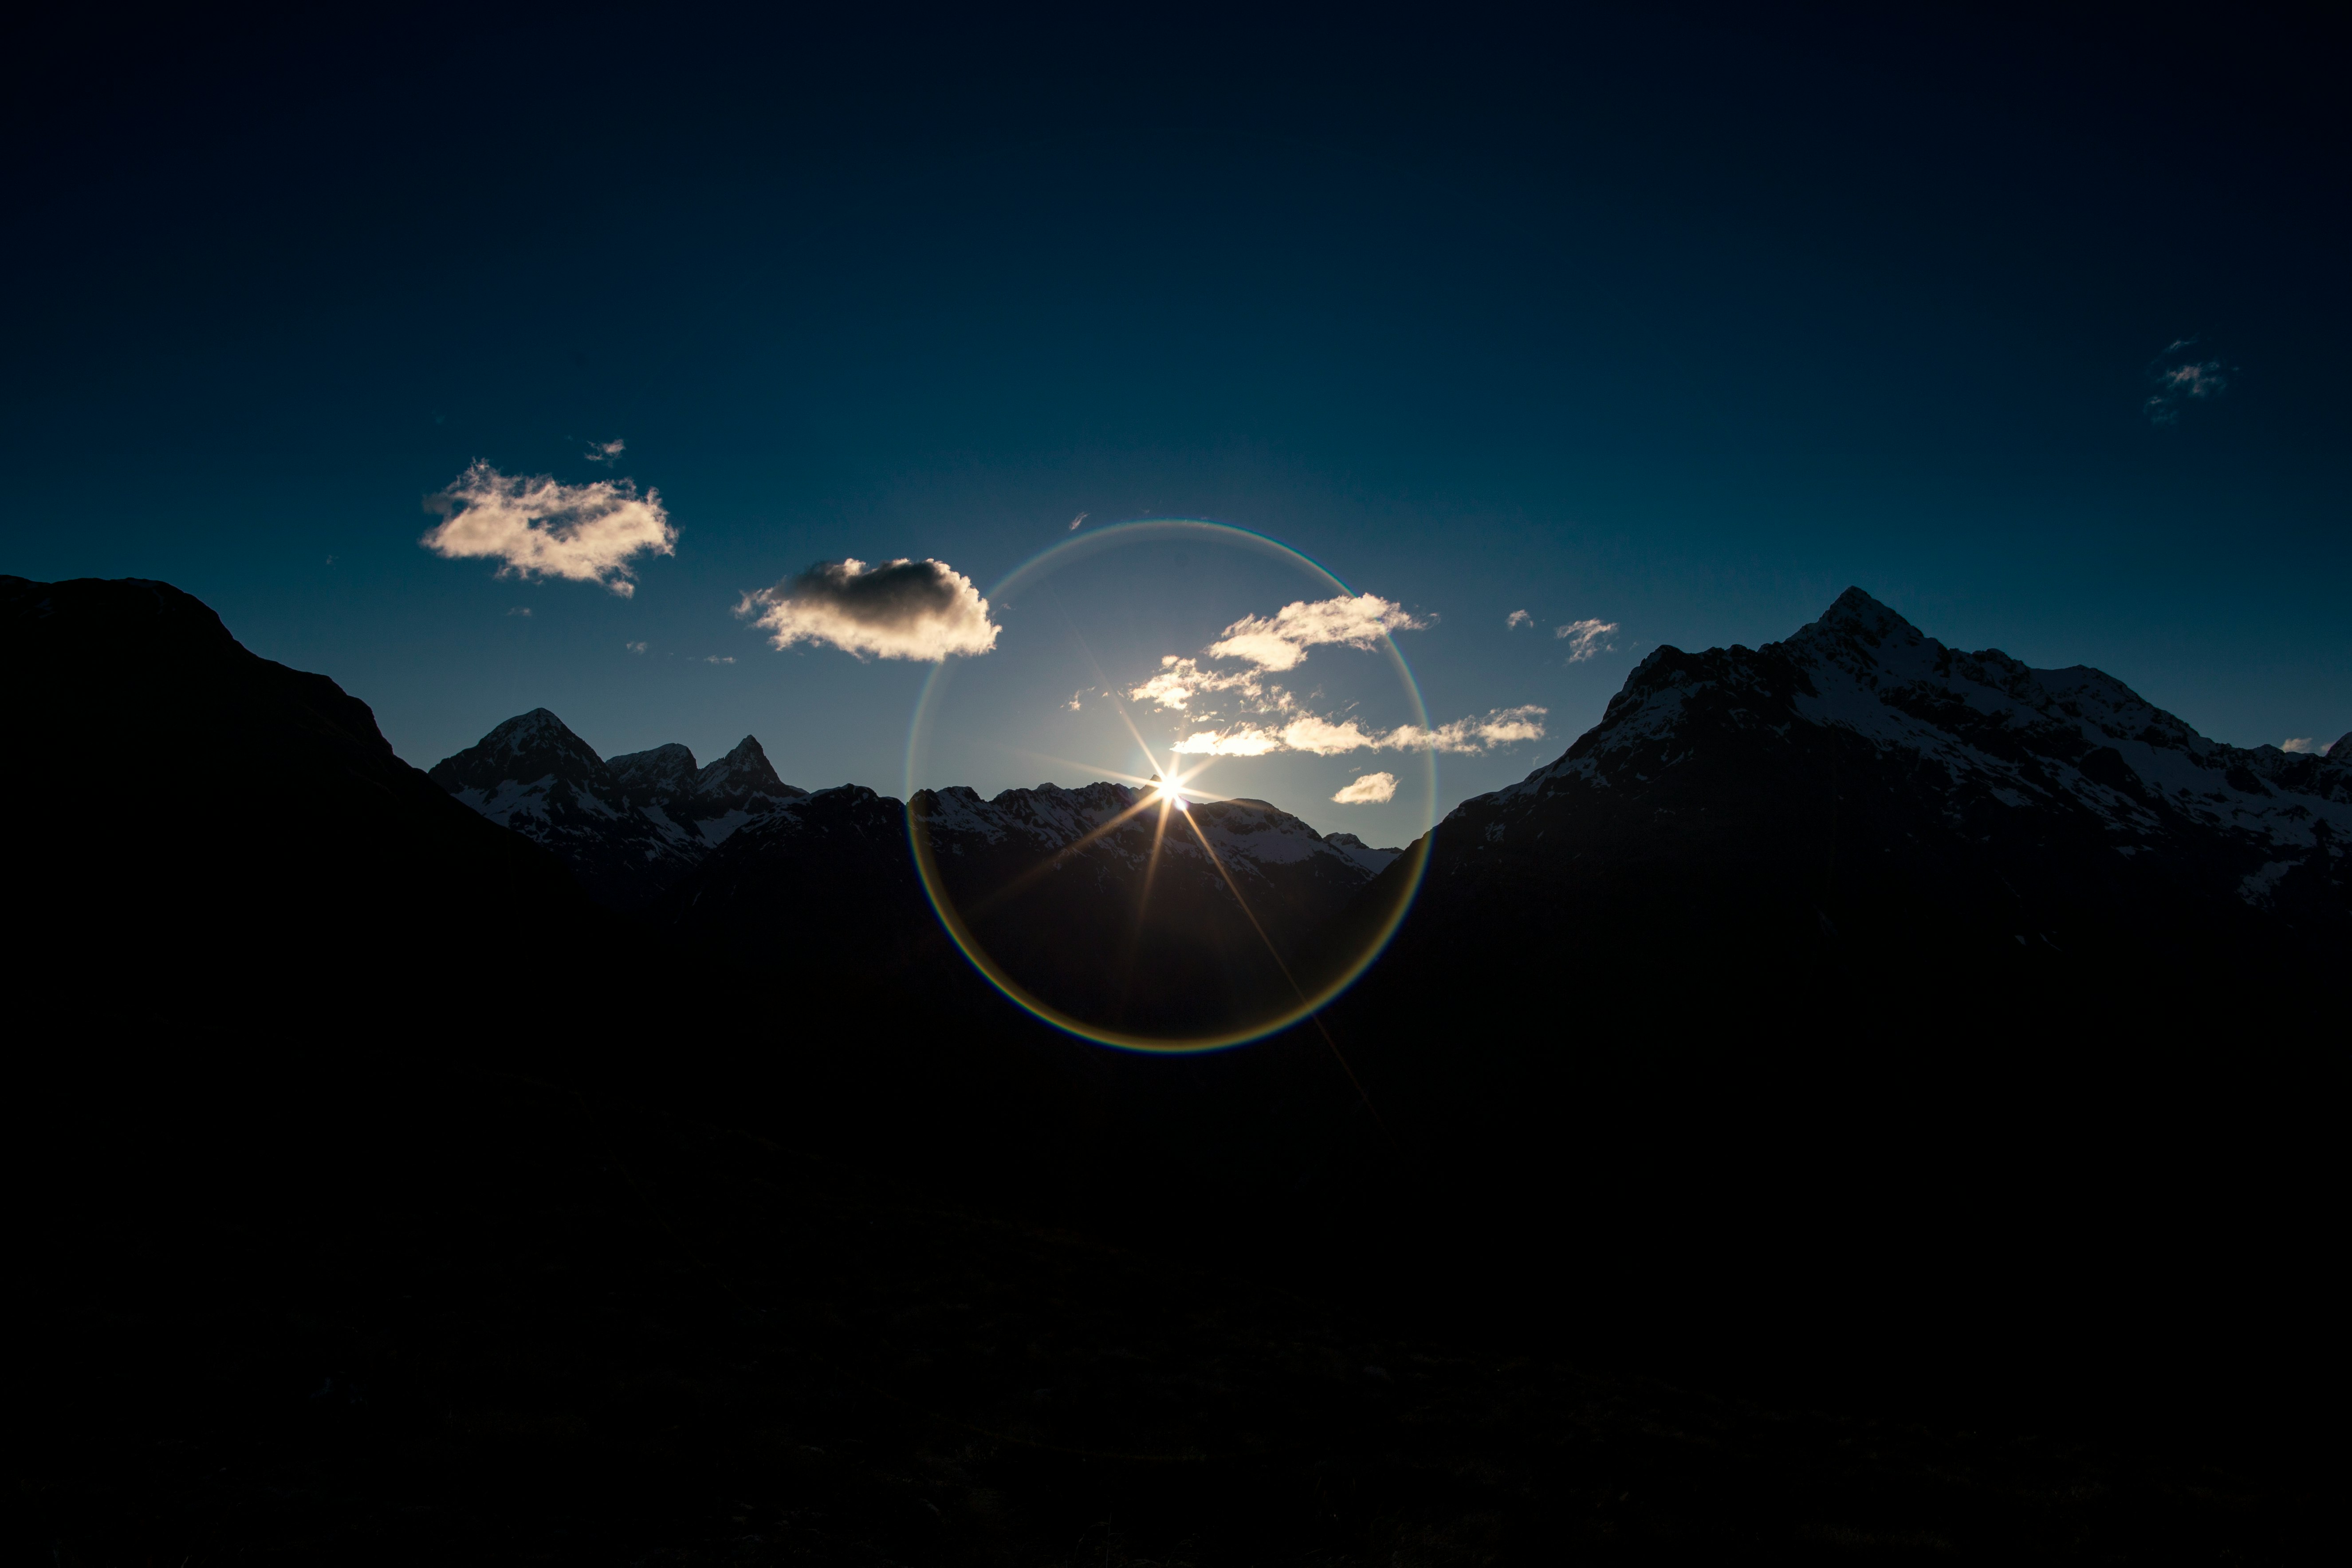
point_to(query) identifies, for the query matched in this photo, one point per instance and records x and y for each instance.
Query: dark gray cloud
(900, 609)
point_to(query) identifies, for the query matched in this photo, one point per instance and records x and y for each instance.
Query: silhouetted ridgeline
(1849, 1021)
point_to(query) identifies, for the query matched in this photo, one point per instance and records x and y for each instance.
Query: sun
(1169, 792)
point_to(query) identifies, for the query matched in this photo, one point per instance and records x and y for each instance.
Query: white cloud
(1328, 738)
(1182, 679)
(2299, 743)
(1519, 618)
(1073, 704)
(1241, 740)
(538, 527)
(1371, 789)
(1324, 738)
(523, 610)
(1078, 519)
(1270, 644)
(1280, 641)
(606, 452)
(1584, 638)
(718, 658)
(900, 609)
(635, 646)
(1502, 727)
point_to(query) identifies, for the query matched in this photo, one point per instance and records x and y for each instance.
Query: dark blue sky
(1651, 319)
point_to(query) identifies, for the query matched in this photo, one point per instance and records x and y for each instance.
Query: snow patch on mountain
(1989, 727)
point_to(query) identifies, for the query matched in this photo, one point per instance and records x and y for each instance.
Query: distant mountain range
(1052, 879)
(1857, 794)
(628, 827)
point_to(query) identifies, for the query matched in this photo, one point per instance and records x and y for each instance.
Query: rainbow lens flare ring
(1100, 603)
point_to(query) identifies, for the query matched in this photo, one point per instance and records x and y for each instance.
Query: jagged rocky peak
(1362, 854)
(1854, 615)
(743, 771)
(663, 771)
(629, 827)
(529, 746)
(528, 731)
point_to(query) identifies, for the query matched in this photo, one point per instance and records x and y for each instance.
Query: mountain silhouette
(1848, 1024)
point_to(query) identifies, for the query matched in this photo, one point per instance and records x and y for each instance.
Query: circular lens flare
(1158, 816)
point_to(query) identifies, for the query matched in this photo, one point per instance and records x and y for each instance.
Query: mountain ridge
(629, 825)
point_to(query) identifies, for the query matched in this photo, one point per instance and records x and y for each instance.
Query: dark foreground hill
(384, 1197)
(198, 824)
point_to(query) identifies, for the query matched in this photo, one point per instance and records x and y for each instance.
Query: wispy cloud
(635, 646)
(2177, 379)
(900, 609)
(538, 527)
(1584, 638)
(2299, 743)
(1280, 641)
(1369, 789)
(1272, 644)
(719, 659)
(606, 452)
(1241, 740)
(1327, 736)
(1275, 720)
(1502, 727)
(523, 610)
(1074, 704)
(1517, 619)
(1078, 519)
(1182, 679)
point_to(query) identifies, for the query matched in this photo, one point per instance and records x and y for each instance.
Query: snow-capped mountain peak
(628, 827)
(1977, 733)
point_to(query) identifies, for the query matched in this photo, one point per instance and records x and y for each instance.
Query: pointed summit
(743, 771)
(1855, 615)
(528, 746)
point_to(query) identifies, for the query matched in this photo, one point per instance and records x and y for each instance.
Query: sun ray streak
(1251, 915)
(1143, 904)
(1030, 878)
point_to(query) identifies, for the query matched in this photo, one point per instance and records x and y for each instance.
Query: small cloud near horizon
(1583, 639)
(536, 527)
(1519, 618)
(1371, 789)
(923, 610)
(2301, 743)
